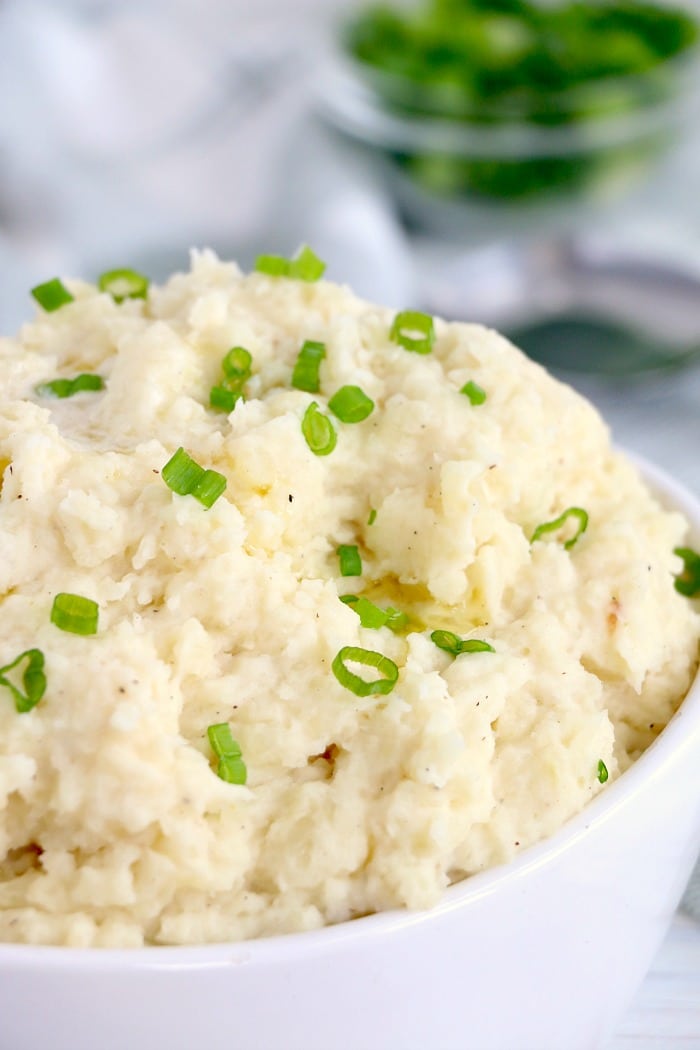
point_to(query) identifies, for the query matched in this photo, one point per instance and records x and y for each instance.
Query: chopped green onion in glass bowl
(510, 101)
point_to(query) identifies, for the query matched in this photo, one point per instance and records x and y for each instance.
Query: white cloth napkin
(139, 131)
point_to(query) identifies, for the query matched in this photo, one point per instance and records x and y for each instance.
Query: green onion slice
(602, 771)
(372, 517)
(55, 388)
(52, 295)
(413, 331)
(306, 369)
(87, 381)
(210, 486)
(231, 766)
(305, 266)
(272, 265)
(232, 770)
(688, 580)
(222, 743)
(185, 477)
(551, 526)
(372, 616)
(69, 387)
(236, 367)
(223, 399)
(455, 645)
(123, 284)
(181, 473)
(237, 363)
(396, 620)
(75, 614)
(367, 658)
(33, 679)
(350, 404)
(318, 431)
(350, 560)
(475, 393)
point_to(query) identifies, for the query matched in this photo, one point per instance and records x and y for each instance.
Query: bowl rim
(346, 97)
(681, 733)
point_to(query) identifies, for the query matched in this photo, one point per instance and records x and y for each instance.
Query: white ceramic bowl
(541, 954)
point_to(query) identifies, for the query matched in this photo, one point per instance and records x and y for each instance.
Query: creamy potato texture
(114, 826)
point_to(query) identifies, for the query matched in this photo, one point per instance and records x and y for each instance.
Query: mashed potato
(115, 828)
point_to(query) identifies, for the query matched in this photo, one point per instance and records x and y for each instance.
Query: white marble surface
(665, 1014)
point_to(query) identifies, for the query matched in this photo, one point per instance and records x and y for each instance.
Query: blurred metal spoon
(584, 304)
(573, 343)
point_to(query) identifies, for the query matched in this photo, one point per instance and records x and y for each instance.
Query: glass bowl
(510, 150)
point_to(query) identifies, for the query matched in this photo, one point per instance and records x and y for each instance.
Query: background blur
(131, 132)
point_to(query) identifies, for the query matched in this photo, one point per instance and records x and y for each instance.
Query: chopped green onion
(455, 645)
(272, 265)
(396, 620)
(602, 771)
(413, 331)
(231, 766)
(210, 486)
(306, 369)
(350, 560)
(222, 743)
(350, 404)
(372, 616)
(372, 517)
(688, 580)
(55, 388)
(87, 381)
(475, 393)
(181, 473)
(237, 363)
(75, 614)
(305, 266)
(185, 477)
(223, 399)
(69, 387)
(123, 284)
(52, 295)
(236, 367)
(33, 680)
(367, 658)
(318, 431)
(232, 770)
(551, 526)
